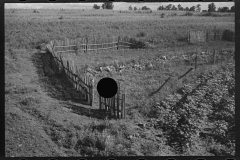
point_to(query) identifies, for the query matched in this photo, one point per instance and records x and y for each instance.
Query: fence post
(196, 61)
(118, 91)
(114, 107)
(86, 44)
(76, 43)
(118, 43)
(100, 107)
(214, 52)
(105, 105)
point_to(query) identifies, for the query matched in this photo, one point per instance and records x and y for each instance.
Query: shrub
(60, 17)
(188, 14)
(137, 43)
(163, 15)
(228, 35)
(141, 34)
(35, 11)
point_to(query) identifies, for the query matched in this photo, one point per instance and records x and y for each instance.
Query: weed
(30, 101)
(141, 34)
(163, 15)
(188, 14)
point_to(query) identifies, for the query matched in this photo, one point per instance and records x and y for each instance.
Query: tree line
(211, 7)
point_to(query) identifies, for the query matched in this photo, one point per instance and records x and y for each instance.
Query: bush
(35, 11)
(163, 15)
(60, 17)
(228, 35)
(141, 34)
(137, 43)
(188, 14)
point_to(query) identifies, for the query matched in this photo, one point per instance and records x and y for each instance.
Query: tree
(198, 7)
(174, 8)
(232, 9)
(180, 8)
(211, 7)
(160, 8)
(96, 6)
(107, 5)
(219, 9)
(145, 8)
(186, 9)
(168, 7)
(130, 8)
(192, 8)
(135, 8)
(223, 9)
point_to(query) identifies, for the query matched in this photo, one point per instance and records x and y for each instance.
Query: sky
(117, 5)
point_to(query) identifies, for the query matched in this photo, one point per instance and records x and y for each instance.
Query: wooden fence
(87, 44)
(213, 56)
(115, 106)
(81, 82)
(195, 37)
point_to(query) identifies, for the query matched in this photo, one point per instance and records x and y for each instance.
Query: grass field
(43, 119)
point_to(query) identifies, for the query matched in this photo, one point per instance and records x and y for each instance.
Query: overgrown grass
(75, 25)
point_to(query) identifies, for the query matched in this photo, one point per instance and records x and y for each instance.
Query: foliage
(198, 7)
(95, 6)
(180, 8)
(145, 8)
(192, 8)
(135, 8)
(223, 9)
(206, 104)
(163, 15)
(160, 8)
(35, 11)
(130, 8)
(211, 7)
(228, 35)
(174, 8)
(232, 9)
(188, 14)
(107, 5)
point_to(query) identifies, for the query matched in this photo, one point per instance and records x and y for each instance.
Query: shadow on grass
(59, 87)
(78, 109)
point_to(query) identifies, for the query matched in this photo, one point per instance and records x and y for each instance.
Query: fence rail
(83, 45)
(200, 36)
(81, 83)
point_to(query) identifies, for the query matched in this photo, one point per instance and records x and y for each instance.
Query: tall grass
(27, 30)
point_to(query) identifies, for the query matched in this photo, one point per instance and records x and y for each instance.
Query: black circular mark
(107, 87)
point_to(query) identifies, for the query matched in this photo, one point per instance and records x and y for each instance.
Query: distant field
(29, 29)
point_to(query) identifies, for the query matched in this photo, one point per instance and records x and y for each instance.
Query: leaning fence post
(196, 61)
(214, 52)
